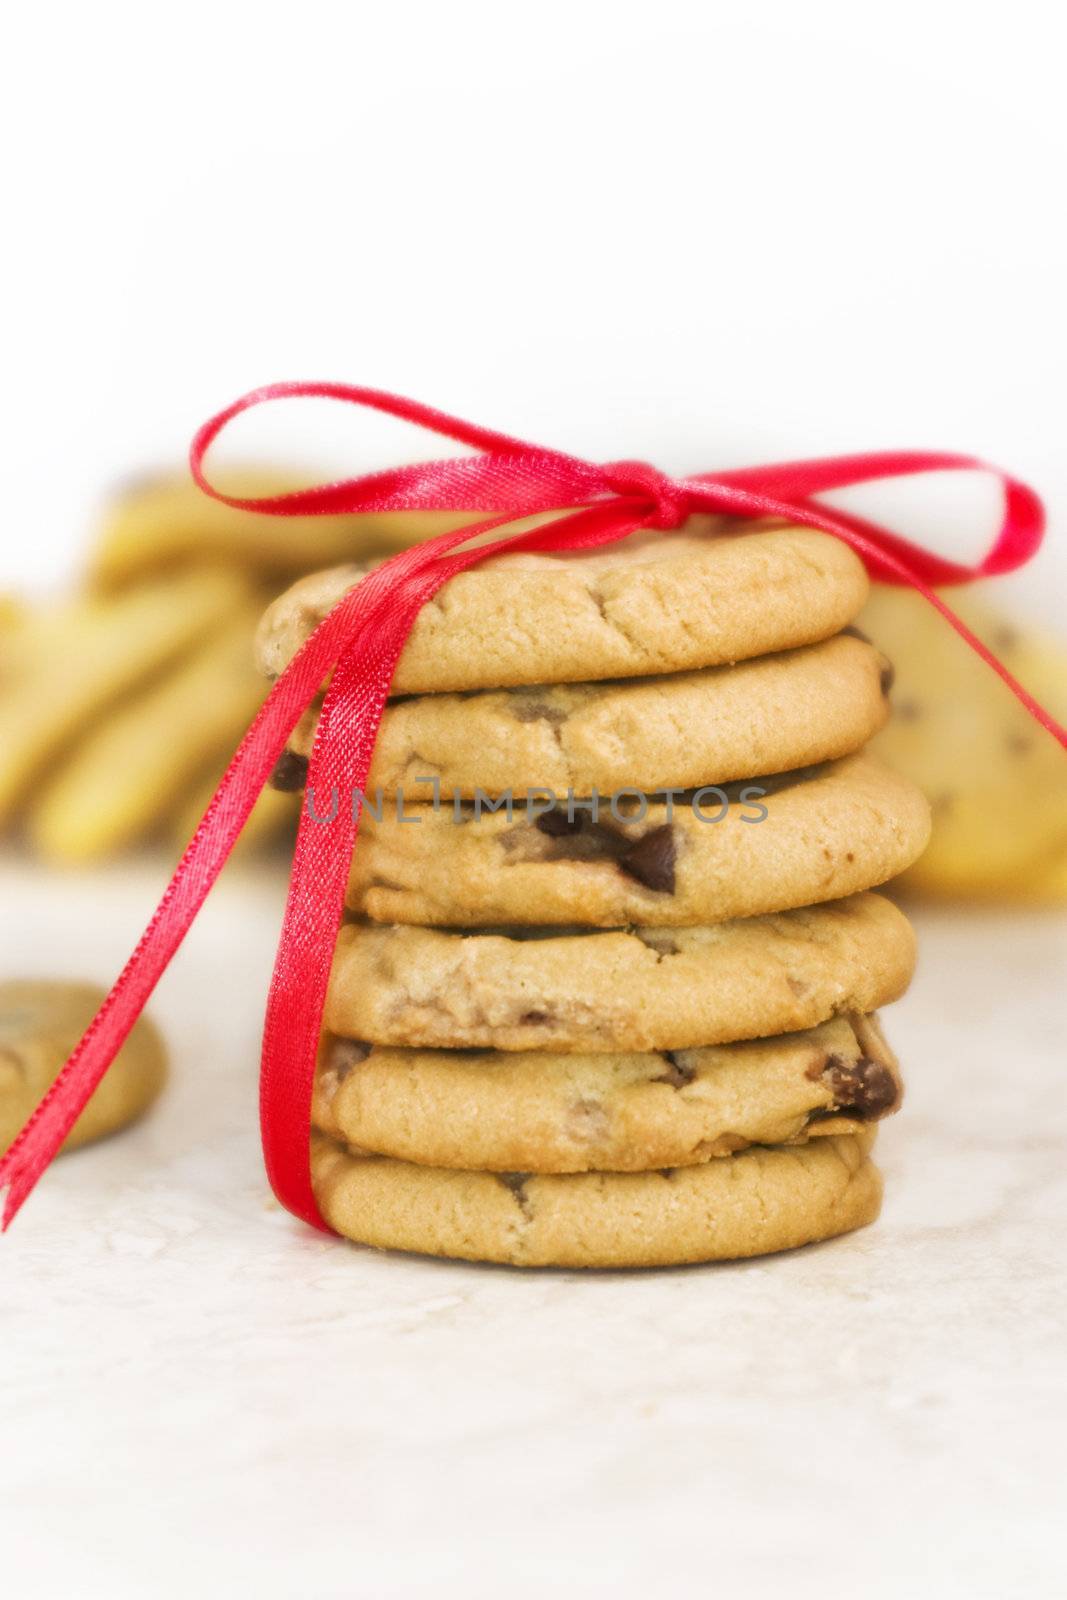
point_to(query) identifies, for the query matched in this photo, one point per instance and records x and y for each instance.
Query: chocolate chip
(865, 1088)
(659, 940)
(677, 1074)
(344, 1054)
(651, 859)
(290, 772)
(580, 840)
(516, 1182)
(557, 824)
(587, 1121)
(538, 711)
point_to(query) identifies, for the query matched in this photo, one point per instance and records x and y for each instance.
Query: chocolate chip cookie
(40, 1023)
(606, 997)
(505, 1111)
(634, 989)
(769, 714)
(654, 603)
(996, 781)
(826, 833)
(763, 1199)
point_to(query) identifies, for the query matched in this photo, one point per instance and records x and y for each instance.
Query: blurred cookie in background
(122, 703)
(69, 666)
(996, 781)
(119, 782)
(41, 1021)
(162, 520)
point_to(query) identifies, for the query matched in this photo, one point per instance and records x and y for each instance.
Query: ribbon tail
(203, 860)
(41, 1138)
(48, 1127)
(340, 761)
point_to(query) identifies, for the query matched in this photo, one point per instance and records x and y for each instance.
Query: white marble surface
(199, 1394)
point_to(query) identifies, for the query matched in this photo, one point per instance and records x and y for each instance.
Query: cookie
(653, 603)
(41, 1021)
(76, 661)
(13, 616)
(1044, 882)
(121, 780)
(163, 520)
(746, 1205)
(765, 715)
(996, 781)
(503, 1112)
(639, 989)
(826, 833)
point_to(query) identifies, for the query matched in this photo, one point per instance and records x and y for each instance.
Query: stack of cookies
(606, 995)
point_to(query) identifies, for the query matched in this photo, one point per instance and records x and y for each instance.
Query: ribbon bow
(359, 643)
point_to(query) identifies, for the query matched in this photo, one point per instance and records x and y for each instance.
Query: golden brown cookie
(827, 833)
(163, 520)
(635, 989)
(746, 1205)
(995, 779)
(120, 781)
(487, 1109)
(41, 1021)
(654, 603)
(768, 714)
(69, 665)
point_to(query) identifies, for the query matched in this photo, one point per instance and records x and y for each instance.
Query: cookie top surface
(41, 1021)
(653, 603)
(749, 1204)
(631, 1112)
(827, 832)
(635, 989)
(768, 714)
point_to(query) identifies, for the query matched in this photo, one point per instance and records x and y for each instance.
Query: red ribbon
(360, 641)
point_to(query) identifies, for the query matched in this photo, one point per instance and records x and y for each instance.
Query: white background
(701, 233)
